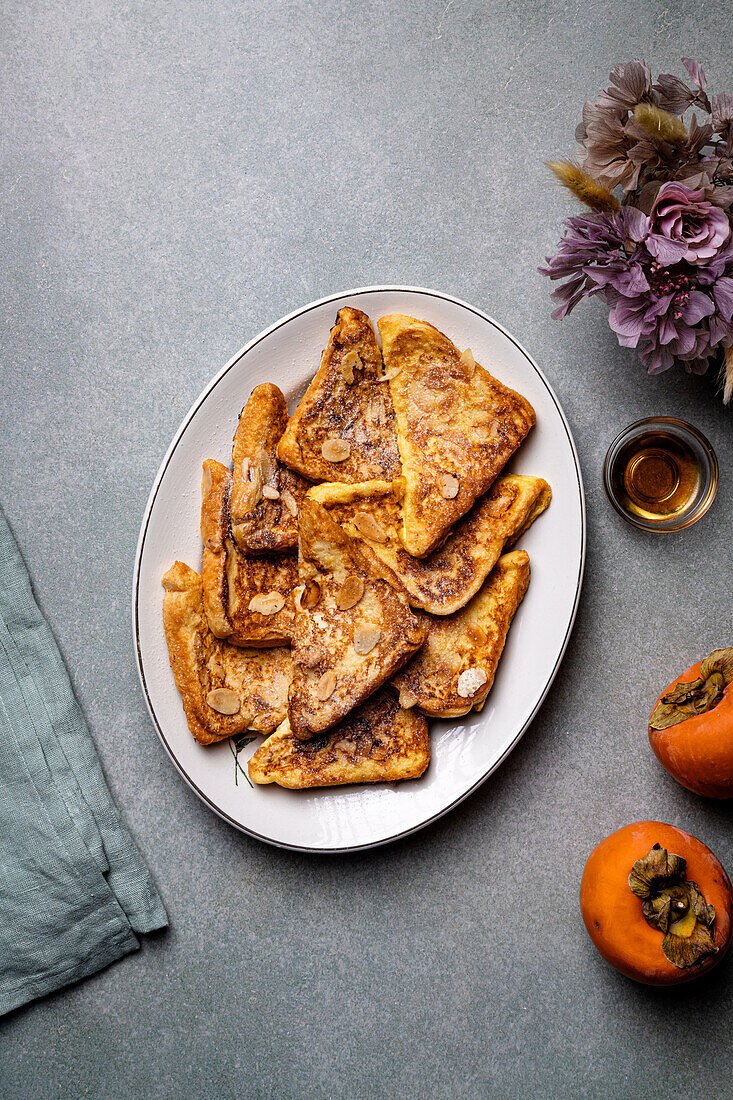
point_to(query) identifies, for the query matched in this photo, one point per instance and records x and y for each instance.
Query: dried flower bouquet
(658, 245)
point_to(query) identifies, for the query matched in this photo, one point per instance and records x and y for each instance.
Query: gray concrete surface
(175, 176)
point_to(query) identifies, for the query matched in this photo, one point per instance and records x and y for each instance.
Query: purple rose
(683, 226)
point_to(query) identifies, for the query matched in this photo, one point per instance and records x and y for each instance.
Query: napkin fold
(74, 889)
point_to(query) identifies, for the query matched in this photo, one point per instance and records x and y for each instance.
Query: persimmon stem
(690, 700)
(674, 906)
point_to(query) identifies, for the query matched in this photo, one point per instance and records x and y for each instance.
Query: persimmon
(691, 726)
(657, 903)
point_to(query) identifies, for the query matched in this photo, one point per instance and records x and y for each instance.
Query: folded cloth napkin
(73, 886)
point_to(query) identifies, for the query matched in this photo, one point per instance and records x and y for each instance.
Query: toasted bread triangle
(232, 578)
(264, 494)
(254, 681)
(342, 654)
(215, 486)
(446, 579)
(455, 670)
(456, 427)
(377, 742)
(345, 402)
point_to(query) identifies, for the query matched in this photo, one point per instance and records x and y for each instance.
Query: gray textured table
(176, 176)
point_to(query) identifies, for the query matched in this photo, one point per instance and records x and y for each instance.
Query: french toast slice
(343, 429)
(352, 629)
(225, 689)
(454, 671)
(378, 742)
(445, 580)
(263, 504)
(215, 534)
(456, 427)
(248, 599)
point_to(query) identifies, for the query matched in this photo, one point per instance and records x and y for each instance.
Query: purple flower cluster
(664, 261)
(666, 308)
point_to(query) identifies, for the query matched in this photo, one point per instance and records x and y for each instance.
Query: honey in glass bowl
(661, 474)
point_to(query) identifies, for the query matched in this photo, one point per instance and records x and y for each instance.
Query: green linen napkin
(73, 886)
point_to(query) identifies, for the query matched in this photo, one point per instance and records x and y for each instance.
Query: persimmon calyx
(698, 696)
(674, 906)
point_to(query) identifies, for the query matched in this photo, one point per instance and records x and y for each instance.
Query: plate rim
(199, 400)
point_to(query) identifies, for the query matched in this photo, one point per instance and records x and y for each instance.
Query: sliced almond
(468, 362)
(252, 474)
(267, 603)
(407, 698)
(326, 686)
(224, 701)
(350, 592)
(389, 375)
(347, 745)
(448, 485)
(367, 526)
(336, 450)
(365, 639)
(206, 482)
(267, 466)
(348, 363)
(310, 594)
(269, 493)
(470, 680)
(289, 501)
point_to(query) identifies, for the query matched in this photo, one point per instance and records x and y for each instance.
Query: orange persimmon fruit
(638, 870)
(691, 726)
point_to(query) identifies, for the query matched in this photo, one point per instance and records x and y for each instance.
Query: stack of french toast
(354, 576)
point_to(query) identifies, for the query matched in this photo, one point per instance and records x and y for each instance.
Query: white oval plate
(464, 752)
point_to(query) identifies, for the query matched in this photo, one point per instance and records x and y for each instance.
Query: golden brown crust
(453, 419)
(540, 505)
(232, 579)
(249, 577)
(215, 485)
(326, 638)
(358, 410)
(472, 639)
(260, 524)
(202, 663)
(377, 742)
(445, 580)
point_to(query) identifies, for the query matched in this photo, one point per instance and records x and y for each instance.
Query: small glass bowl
(688, 437)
